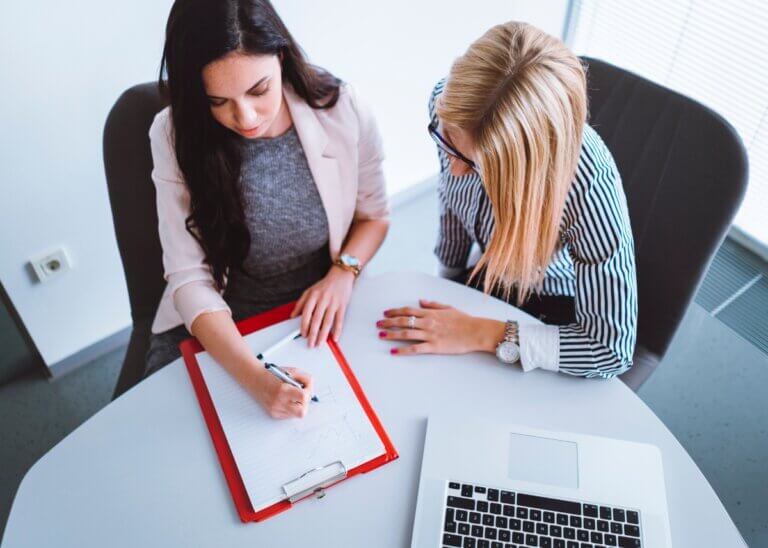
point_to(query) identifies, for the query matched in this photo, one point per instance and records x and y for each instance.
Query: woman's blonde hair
(520, 94)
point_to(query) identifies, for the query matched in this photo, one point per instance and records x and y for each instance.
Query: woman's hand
(439, 329)
(322, 306)
(280, 399)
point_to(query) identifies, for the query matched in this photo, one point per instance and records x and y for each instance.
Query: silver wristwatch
(508, 350)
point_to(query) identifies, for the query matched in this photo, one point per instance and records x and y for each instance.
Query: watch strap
(511, 332)
(348, 267)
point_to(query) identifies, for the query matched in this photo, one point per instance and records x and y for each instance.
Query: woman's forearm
(218, 334)
(489, 333)
(365, 238)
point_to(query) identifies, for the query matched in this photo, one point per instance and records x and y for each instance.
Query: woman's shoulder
(436, 91)
(596, 167)
(349, 104)
(597, 185)
(351, 115)
(162, 126)
(165, 165)
(348, 101)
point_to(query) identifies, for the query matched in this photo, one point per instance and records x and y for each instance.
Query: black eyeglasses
(445, 146)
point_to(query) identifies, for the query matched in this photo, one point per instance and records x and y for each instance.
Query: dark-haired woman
(269, 189)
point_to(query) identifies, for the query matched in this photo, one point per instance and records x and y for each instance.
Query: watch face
(508, 352)
(349, 260)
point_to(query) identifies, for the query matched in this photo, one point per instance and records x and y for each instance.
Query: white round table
(143, 472)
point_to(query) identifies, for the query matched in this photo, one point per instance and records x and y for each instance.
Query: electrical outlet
(51, 265)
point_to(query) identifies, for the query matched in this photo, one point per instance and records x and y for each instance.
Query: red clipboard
(245, 510)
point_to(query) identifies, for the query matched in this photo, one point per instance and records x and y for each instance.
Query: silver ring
(411, 322)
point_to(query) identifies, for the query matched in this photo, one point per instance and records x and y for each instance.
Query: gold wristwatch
(349, 263)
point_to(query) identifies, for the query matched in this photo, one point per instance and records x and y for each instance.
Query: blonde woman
(523, 176)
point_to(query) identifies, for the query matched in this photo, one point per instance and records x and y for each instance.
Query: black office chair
(684, 170)
(128, 166)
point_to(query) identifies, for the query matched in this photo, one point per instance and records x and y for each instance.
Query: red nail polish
(379, 324)
(382, 334)
(393, 351)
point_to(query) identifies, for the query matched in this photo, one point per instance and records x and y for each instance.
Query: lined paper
(270, 453)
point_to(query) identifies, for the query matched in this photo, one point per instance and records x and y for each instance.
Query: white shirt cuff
(539, 347)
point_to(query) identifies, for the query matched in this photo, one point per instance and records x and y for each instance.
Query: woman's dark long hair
(199, 32)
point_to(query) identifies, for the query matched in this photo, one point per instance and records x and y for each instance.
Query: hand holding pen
(296, 386)
(285, 376)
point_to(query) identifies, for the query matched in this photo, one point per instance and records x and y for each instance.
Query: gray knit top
(288, 226)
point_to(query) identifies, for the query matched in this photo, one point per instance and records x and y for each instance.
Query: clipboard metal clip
(315, 481)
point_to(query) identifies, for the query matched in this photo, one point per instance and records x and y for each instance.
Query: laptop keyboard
(483, 517)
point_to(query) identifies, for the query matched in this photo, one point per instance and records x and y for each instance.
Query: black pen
(278, 371)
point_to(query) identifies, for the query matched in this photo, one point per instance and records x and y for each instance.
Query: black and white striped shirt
(595, 264)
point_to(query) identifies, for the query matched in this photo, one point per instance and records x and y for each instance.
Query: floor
(709, 391)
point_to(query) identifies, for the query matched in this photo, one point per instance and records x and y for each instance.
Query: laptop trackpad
(543, 460)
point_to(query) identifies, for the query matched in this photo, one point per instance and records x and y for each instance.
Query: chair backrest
(684, 171)
(128, 166)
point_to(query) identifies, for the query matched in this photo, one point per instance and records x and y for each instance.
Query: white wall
(64, 64)
(394, 52)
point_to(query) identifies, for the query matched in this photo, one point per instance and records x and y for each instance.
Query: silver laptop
(500, 486)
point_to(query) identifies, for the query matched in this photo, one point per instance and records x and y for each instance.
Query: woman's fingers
(298, 374)
(318, 316)
(301, 376)
(339, 323)
(299, 305)
(290, 402)
(328, 320)
(421, 348)
(307, 315)
(434, 305)
(302, 396)
(294, 401)
(286, 401)
(405, 335)
(405, 311)
(402, 321)
(298, 402)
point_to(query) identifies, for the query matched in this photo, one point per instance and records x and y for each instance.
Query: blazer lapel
(322, 162)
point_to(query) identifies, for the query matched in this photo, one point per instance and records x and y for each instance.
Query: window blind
(714, 52)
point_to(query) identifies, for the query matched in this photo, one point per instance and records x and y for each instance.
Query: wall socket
(51, 265)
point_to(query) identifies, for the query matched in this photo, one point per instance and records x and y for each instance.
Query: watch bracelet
(349, 268)
(512, 332)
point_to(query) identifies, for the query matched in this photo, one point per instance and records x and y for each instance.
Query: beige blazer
(344, 152)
